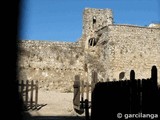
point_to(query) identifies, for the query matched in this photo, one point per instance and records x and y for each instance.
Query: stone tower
(93, 20)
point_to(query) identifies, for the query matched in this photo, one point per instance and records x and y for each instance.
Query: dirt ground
(53, 106)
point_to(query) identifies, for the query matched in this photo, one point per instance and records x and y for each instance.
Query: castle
(109, 49)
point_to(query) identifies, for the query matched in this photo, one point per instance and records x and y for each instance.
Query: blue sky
(61, 20)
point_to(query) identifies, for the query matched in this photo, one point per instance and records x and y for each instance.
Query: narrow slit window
(94, 20)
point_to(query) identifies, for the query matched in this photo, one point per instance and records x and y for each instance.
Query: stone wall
(53, 64)
(129, 48)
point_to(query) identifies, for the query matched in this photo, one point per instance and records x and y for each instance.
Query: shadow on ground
(38, 107)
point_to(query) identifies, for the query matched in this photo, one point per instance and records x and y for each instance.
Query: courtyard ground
(53, 106)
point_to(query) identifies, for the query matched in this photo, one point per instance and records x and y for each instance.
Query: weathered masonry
(112, 50)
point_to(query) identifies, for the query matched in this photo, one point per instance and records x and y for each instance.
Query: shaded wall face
(131, 48)
(53, 64)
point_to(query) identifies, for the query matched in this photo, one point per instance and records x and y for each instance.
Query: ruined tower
(93, 20)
